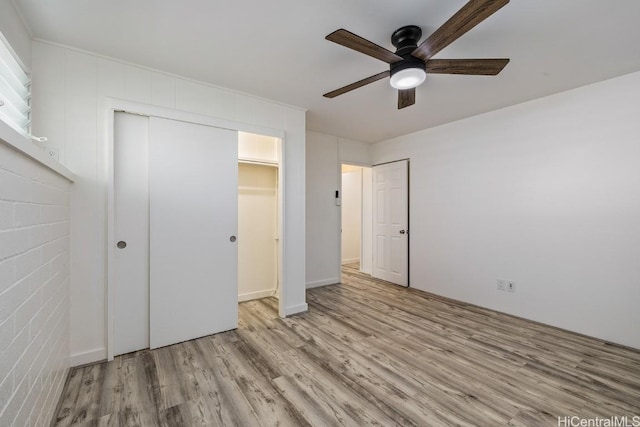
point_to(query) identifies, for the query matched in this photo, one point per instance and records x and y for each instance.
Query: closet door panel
(131, 221)
(193, 196)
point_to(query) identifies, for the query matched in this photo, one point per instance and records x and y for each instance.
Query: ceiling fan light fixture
(408, 78)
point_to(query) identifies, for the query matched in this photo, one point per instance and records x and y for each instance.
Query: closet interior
(258, 236)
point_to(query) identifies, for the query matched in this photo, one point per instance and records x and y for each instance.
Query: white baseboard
(91, 356)
(350, 260)
(255, 295)
(323, 282)
(295, 309)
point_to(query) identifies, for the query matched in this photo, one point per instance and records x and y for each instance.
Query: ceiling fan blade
(355, 42)
(471, 14)
(406, 97)
(475, 67)
(356, 85)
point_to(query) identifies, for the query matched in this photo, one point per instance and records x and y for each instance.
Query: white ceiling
(276, 49)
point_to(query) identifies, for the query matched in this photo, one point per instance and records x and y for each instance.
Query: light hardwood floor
(366, 353)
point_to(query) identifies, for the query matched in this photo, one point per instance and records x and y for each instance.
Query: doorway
(374, 226)
(258, 231)
(356, 217)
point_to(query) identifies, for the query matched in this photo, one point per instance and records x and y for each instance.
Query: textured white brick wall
(34, 289)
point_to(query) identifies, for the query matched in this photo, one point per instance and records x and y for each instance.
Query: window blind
(15, 92)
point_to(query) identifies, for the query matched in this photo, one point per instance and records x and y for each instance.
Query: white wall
(257, 229)
(325, 154)
(69, 88)
(351, 214)
(354, 152)
(15, 32)
(545, 193)
(34, 288)
(322, 214)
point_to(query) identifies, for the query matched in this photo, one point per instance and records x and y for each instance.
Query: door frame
(114, 105)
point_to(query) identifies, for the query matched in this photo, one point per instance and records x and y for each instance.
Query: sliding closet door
(193, 205)
(131, 221)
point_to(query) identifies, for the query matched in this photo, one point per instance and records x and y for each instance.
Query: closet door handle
(232, 239)
(121, 244)
(402, 231)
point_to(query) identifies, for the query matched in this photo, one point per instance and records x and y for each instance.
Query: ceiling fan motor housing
(408, 62)
(406, 40)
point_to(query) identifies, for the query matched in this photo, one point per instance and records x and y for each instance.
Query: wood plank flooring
(366, 353)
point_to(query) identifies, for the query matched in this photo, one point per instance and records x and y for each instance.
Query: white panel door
(131, 231)
(391, 222)
(193, 189)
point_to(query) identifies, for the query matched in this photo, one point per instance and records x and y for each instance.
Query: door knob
(121, 244)
(232, 238)
(402, 231)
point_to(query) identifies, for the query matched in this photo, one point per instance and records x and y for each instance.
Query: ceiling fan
(410, 63)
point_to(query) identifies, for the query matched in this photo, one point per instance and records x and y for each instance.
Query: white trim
(282, 295)
(110, 238)
(301, 308)
(14, 139)
(351, 163)
(255, 295)
(111, 105)
(351, 260)
(324, 282)
(114, 104)
(91, 356)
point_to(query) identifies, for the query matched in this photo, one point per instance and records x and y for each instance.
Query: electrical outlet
(502, 285)
(511, 286)
(52, 152)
